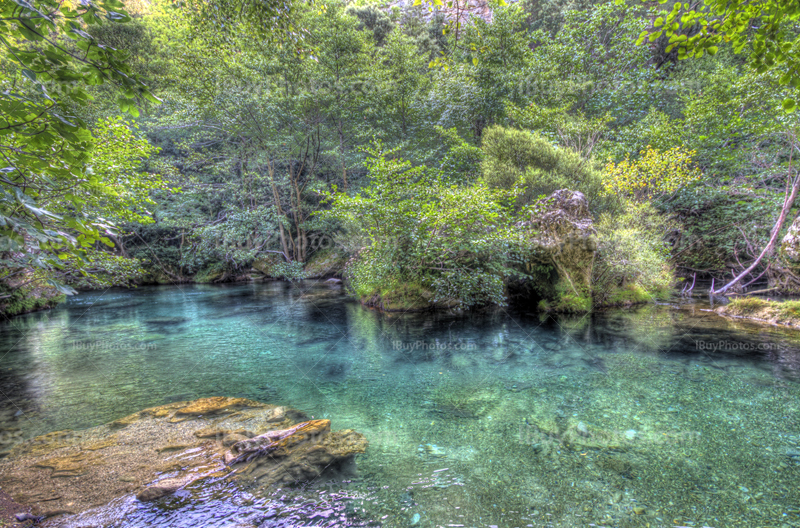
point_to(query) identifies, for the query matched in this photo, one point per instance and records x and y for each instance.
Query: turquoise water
(660, 415)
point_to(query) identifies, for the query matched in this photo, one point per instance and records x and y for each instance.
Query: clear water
(704, 412)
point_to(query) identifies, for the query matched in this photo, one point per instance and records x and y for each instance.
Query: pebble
(415, 519)
(582, 429)
(631, 434)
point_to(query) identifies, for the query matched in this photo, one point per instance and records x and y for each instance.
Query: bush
(99, 270)
(720, 225)
(428, 241)
(516, 156)
(656, 173)
(632, 262)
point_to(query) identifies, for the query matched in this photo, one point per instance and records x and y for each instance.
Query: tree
(46, 150)
(587, 79)
(402, 78)
(768, 28)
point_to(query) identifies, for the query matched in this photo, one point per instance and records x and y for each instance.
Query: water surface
(699, 415)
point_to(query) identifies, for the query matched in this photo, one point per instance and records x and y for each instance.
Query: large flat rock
(160, 450)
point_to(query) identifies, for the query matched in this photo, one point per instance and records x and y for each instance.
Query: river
(658, 415)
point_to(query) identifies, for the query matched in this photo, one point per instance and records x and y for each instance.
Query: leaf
(789, 104)
(30, 75)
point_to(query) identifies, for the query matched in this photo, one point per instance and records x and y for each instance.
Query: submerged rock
(158, 451)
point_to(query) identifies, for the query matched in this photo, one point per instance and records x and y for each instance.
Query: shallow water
(699, 415)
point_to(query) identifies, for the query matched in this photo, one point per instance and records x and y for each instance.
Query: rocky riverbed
(158, 451)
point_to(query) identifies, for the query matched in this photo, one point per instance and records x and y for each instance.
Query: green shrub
(514, 156)
(99, 270)
(290, 271)
(632, 263)
(720, 223)
(456, 244)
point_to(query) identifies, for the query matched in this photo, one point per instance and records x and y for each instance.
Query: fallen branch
(788, 202)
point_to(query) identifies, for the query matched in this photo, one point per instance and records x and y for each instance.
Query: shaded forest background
(280, 157)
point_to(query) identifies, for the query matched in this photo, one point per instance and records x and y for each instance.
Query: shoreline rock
(157, 451)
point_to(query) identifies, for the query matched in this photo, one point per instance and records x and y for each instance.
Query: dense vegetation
(406, 148)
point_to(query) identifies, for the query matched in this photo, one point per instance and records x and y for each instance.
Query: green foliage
(26, 291)
(374, 19)
(482, 71)
(766, 28)
(236, 240)
(720, 225)
(655, 173)
(99, 270)
(290, 271)
(656, 129)
(462, 162)
(123, 189)
(567, 300)
(587, 79)
(765, 309)
(221, 21)
(548, 15)
(513, 157)
(632, 262)
(50, 197)
(458, 243)
(267, 107)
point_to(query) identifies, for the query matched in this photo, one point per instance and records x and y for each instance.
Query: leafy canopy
(769, 27)
(46, 152)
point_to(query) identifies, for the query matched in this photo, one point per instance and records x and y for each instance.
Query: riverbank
(763, 311)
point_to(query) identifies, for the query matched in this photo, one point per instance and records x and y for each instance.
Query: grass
(753, 305)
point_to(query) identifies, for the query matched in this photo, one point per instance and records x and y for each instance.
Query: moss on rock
(18, 298)
(326, 263)
(784, 313)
